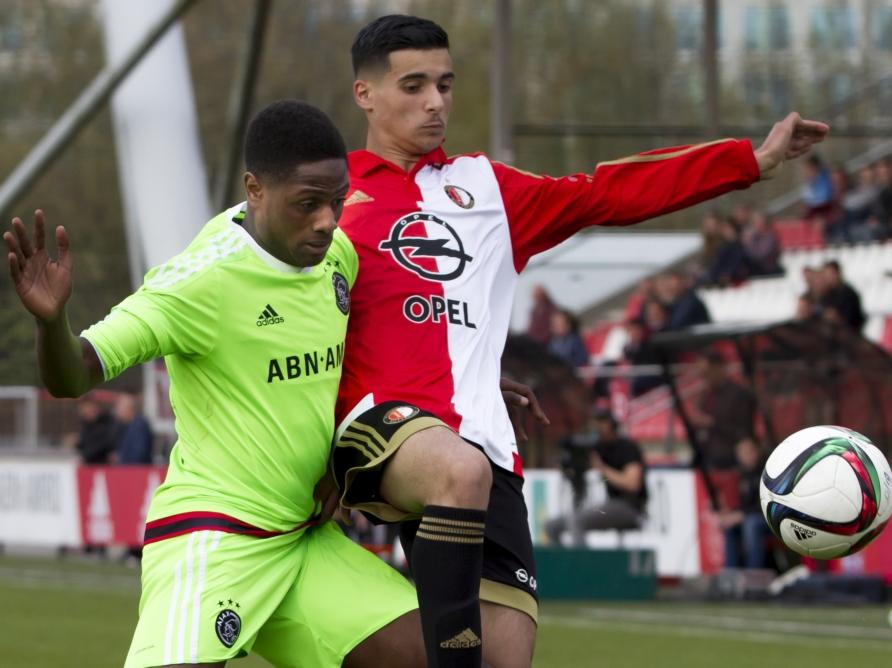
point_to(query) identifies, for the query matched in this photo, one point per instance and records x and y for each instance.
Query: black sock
(446, 560)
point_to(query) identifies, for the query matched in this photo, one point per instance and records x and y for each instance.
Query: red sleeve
(543, 211)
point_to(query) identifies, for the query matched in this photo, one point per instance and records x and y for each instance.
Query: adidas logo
(358, 197)
(464, 640)
(269, 317)
(803, 533)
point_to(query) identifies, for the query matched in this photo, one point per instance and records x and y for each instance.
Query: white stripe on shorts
(172, 613)
(184, 605)
(199, 588)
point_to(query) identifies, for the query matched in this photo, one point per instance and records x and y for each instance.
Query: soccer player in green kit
(251, 320)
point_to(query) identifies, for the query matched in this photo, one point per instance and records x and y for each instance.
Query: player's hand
(327, 492)
(43, 284)
(788, 139)
(517, 397)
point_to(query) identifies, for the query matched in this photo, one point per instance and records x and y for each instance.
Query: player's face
(294, 219)
(408, 105)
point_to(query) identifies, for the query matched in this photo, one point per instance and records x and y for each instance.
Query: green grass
(69, 613)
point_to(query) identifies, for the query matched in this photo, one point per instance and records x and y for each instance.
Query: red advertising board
(113, 502)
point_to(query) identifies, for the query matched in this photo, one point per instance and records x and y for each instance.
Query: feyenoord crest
(460, 196)
(418, 238)
(228, 626)
(400, 414)
(342, 292)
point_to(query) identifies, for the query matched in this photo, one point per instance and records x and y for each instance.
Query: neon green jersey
(254, 349)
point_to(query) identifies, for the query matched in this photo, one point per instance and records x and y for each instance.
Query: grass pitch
(68, 613)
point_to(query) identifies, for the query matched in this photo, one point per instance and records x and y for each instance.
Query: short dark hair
(833, 264)
(395, 32)
(286, 134)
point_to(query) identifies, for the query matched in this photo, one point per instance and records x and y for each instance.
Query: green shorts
(298, 601)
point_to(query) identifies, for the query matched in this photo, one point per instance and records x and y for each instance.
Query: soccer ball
(826, 491)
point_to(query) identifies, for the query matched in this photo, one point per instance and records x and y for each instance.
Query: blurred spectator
(817, 191)
(841, 297)
(96, 440)
(834, 219)
(745, 527)
(858, 204)
(638, 351)
(711, 232)
(723, 413)
(729, 265)
(621, 464)
(655, 316)
(883, 207)
(806, 309)
(643, 293)
(814, 284)
(683, 307)
(539, 328)
(133, 444)
(762, 246)
(742, 215)
(565, 342)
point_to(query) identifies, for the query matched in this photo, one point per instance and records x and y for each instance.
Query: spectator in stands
(711, 232)
(745, 528)
(723, 413)
(883, 208)
(565, 342)
(655, 316)
(817, 190)
(858, 206)
(833, 221)
(806, 309)
(841, 297)
(539, 328)
(643, 293)
(96, 440)
(742, 215)
(684, 308)
(621, 464)
(638, 351)
(729, 265)
(762, 246)
(133, 442)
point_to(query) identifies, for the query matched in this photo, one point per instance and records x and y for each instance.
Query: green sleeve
(168, 315)
(343, 251)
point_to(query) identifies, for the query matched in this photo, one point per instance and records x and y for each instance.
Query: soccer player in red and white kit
(424, 436)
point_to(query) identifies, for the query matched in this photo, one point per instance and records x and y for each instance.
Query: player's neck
(391, 152)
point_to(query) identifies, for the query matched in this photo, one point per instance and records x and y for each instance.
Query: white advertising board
(39, 503)
(671, 528)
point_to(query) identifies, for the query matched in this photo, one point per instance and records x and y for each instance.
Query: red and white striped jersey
(440, 248)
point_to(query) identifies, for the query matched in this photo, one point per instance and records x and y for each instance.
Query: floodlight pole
(67, 127)
(710, 65)
(698, 448)
(500, 103)
(240, 105)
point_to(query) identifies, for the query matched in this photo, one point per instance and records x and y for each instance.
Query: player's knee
(466, 479)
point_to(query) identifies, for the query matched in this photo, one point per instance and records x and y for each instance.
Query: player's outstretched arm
(788, 139)
(69, 367)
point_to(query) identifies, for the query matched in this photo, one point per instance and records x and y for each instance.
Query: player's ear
(253, 188)
(362, 94)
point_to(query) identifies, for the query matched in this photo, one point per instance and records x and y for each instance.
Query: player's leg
(346, 607)
(397, 645)
(508, 589)
(420, 467)
(447, 480)
(509, 636)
